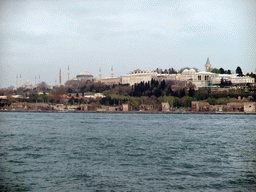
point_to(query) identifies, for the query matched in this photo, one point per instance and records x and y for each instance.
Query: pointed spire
(112, 72)
(208, 61)
(20, 81)
(39, 79)
(100, 74)
(17, 81)
(68, 74)
(60, 77)
(208, 65)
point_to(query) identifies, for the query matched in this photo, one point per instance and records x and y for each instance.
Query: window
(199, 77)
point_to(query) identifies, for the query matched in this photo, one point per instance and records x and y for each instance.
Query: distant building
(125, 107)
(138, 76)
(165, 106)
(110, 80)
(233, 107)
(205, 78)
(84, 75)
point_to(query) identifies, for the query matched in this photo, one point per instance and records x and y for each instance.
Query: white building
(205, 78)
(138, 76)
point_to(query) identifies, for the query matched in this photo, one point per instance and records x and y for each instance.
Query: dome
(192, 70)
(185, 71)
(84, 75)
(188, 71)
(28, 83)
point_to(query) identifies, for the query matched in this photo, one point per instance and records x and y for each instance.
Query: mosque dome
(192, 71)
(84, 75)
(185, 71)
(188, 71)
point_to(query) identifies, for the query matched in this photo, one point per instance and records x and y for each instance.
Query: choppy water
(127, 152)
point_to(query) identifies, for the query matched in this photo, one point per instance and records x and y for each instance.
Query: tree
(172, 71)
(187, 101)
(222, 70)
(239, 71)
(224, 82)
(191, 85)
(42, 97)
(42, 86)
(215, 70)
(198, 96)
(211, 101)
(191, 92)
(175, 101)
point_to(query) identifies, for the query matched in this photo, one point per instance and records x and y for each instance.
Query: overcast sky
(40, 37)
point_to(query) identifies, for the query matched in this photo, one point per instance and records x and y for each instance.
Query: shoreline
(137, 112)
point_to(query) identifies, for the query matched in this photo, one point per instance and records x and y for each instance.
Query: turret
(60, 78)
(208, 65)
(100, 75)
(112, 72)
(68, 74)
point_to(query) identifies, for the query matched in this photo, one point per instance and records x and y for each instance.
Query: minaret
(17, 81)
(68, 73)
(39, 79)
(112, 72)
(56, 82)
(207, 65)
(100, 74)
(20, 81)
(60, 78)
(35, 80)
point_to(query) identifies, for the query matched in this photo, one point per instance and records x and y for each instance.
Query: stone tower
(112, 72)
(208, 65)
(35, 80)
(17, 81)
(68, 74)
(20, 81)
(100, 75)
(60, 78)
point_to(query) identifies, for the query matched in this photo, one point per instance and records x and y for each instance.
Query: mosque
(199, 79)
(27, 84)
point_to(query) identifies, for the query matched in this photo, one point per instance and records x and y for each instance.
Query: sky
(40, 37)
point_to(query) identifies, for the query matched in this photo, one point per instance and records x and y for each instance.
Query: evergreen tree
(215, 70)
(191, 92)
(239, 71)
(222, 70)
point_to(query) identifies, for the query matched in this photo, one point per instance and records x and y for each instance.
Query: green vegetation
(239, 71)
(150, 93)
(221, 71)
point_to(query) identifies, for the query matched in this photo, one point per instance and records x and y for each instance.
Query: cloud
(148, 33)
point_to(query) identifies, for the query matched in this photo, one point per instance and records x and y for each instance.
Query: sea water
(127, 152)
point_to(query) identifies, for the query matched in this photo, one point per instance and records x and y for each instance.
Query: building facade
(205, 78)
(138, 76)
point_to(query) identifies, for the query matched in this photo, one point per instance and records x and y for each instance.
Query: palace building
(206, 78)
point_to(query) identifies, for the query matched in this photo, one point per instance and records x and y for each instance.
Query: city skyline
(41, 37)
